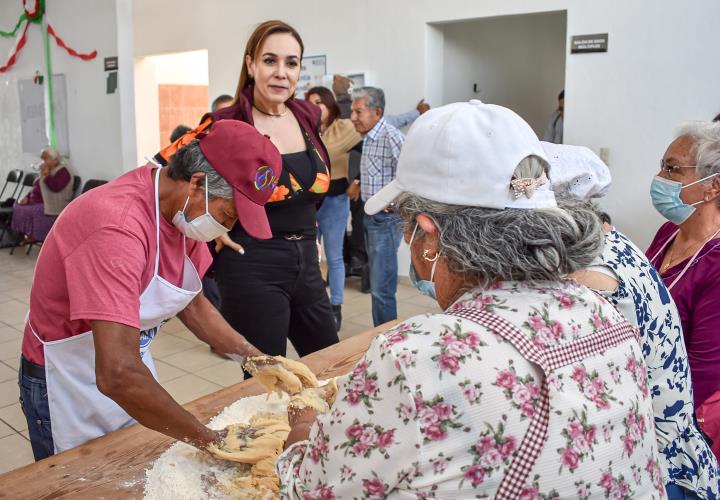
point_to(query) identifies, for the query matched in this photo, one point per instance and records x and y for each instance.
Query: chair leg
(27, 252)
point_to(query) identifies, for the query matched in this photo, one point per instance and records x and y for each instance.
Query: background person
(339, 136)
(626, 277)
(221, 101)
(381, 149)
(554, 130)
(686, 252)
(35, 213)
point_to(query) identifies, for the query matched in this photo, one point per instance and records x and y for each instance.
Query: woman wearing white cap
(626, 277)
(509, 392)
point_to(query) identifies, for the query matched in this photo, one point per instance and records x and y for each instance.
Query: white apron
(79, 412)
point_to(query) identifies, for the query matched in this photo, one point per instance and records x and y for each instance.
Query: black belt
(296, 237)
(32, 369)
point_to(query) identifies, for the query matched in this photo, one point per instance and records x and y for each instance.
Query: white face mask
(202, 228)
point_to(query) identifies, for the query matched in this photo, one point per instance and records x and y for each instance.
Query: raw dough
(279, 374)
(319, 398)
(183, 472)
(263, 437)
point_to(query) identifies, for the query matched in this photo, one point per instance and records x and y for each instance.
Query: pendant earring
(429, 259)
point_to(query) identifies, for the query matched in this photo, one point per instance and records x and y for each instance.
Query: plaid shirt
(381, 150)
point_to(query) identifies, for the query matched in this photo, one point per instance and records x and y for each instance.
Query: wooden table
(113, 466)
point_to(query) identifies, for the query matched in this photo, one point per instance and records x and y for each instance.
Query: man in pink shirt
(119, 262)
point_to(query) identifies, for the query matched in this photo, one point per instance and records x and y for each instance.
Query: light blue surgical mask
(665, 195)
(424, 286)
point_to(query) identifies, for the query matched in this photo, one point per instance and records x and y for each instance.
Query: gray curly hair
(488, 245)
(706, 146)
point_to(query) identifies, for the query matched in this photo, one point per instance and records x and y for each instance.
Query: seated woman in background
(35, 213)
(339, 136)
(626, 277)
(686, 252)
(510, 392)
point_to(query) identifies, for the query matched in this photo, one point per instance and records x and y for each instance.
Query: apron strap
(548, 359)
(157, 221)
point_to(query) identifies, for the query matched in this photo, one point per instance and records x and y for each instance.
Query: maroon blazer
(306, 113)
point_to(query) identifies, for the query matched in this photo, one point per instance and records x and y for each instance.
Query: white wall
(94, 118)
(658, 72)
(516, 61)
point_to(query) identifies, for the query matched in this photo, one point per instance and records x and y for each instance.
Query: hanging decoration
(34, 12)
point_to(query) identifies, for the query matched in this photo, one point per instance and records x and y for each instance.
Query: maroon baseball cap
(251, 164)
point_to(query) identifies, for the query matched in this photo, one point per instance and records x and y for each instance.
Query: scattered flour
(184, 472)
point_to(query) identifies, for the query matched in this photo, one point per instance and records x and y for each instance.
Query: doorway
(515, 61)
(170, 90)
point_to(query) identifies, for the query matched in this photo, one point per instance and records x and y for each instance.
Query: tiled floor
(186, 368)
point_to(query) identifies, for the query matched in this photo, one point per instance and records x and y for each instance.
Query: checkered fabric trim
(548, 359)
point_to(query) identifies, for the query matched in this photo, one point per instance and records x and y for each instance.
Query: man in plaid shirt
(381, 149)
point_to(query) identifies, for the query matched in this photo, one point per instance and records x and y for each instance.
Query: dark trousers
(34, 404)
(355, 243)
(275, 292)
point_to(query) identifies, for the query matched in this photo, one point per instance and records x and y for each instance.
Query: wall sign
(581, 44)
(311, 74)
(111, 63)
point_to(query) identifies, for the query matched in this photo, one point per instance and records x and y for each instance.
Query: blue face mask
(424, 286)
(665, 195)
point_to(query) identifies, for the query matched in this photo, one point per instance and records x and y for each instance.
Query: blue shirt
(381, 150)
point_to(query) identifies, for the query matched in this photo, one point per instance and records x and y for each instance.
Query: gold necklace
(271, 114)
(672, 260)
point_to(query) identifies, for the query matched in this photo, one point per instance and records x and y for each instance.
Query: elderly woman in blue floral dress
(624, 275)
(508, 393)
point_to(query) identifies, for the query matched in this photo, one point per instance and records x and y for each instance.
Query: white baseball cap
(577, 170)
(465, 154)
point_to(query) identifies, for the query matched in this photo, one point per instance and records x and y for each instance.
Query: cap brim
(252, 217)
(383, 198)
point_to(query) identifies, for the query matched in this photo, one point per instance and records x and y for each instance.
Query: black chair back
(92, 184)
(77, 180)
(14, 177)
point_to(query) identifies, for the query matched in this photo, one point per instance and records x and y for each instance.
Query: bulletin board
(33, 115)
(312, 70)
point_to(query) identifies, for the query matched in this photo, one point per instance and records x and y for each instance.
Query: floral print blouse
(643, 298)
(440, 407)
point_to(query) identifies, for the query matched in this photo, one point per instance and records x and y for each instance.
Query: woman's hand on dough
(301, 420)
(225, 241)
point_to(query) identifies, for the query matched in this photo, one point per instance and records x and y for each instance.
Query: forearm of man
(208, 325)
(123, 377)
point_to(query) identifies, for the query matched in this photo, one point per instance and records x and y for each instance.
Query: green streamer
(48, 79)
(11, 34)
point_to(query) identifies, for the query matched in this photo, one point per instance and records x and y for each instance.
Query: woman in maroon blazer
(274, 290)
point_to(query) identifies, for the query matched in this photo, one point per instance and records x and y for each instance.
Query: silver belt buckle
(293, 237)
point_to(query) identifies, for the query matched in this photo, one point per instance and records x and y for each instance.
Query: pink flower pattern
(635, 429)
(491, 452)
(580, 439)
(593, 387)
(522, 392)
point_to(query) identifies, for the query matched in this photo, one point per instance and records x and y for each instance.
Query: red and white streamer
(19, 44)
(61, 43)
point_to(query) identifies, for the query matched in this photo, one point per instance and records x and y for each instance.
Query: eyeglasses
(672, 169)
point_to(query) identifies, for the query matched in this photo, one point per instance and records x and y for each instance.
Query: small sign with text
(581, 44)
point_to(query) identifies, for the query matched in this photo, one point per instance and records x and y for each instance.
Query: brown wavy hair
(328, 99)
(256, 40)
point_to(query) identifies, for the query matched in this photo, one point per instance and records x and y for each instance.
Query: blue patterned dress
(642, 297)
